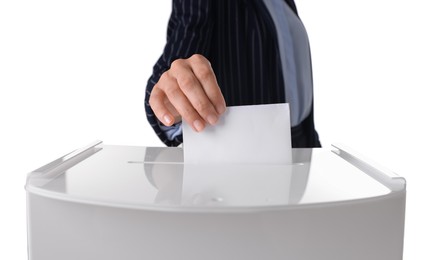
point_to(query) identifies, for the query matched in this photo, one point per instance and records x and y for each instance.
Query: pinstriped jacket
(239, 38)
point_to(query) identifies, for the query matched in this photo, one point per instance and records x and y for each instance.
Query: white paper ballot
(244, 134)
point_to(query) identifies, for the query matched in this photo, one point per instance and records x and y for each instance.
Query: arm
(183, 84)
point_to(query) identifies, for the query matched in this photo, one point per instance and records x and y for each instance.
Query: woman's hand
(188, 91)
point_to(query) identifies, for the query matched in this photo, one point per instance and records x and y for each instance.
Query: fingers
(188, 89)
(204, 73)
(168, 97)
(158, 101)
(192, 88)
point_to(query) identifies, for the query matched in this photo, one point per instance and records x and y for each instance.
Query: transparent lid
(156, 178)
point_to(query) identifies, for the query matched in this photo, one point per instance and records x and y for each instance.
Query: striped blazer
(239, 38)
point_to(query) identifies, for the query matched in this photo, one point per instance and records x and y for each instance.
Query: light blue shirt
(296, 61)
(172, 131)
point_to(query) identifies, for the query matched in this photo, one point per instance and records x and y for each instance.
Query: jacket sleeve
(188, 33)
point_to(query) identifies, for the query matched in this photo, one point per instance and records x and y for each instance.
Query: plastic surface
(118, 202)
(156, 178)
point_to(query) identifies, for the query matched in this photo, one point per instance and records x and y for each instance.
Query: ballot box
(123, 202)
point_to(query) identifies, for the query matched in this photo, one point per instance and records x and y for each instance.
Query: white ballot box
(122, 202)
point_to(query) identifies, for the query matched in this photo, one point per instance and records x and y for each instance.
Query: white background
(75, 71)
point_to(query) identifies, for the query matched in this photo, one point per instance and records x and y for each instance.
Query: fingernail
(168, 119)
(220, 109)
(198, 125)
(212, 119)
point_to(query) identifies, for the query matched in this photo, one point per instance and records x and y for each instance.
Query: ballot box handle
(63, 163)
(385, 176)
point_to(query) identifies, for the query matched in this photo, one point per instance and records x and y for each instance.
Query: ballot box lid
(156, 178)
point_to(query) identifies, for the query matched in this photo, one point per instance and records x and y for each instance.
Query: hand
(189, 91)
